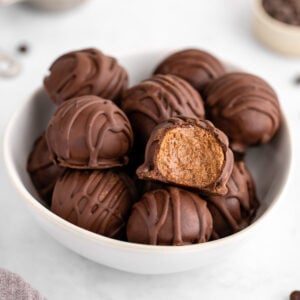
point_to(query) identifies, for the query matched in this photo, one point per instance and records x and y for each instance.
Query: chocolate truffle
(85, 72)
(157, 99)
(188, 152)
(195, 66)
(234, 211)
(170, 216)
(89, 133)
(245, 107)
(43, 172)
(99, 200)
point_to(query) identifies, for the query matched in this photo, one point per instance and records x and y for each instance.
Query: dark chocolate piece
(245, 107)
(99, 200)
(22, 48)
(193, 65)
(297, 80)
(295, 295)
(188, 152)
(85, 72)
(169, 216)
(157, 99)
(43, 172)
(89, 133)
(234, 211)
(287, 11)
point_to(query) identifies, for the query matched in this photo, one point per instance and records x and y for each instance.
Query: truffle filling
(190, 156)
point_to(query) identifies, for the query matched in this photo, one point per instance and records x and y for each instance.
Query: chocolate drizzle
(169, 216)
(158, 99)
(195, 66)
(245, 107)
(95, 200)
(85, 72)
(89, 133)
(234, 211)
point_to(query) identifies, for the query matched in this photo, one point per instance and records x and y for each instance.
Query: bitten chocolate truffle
(245, 107)
(195, 66)
(169, 216)
(234, 211)
(188, 152)
(85, 72)
(43, 172)
(157, 99)
(89, 133)
(98, 200)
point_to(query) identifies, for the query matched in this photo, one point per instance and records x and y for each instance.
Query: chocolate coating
(157, 99)
(89, 133)
(234, 211)
(43, 172)
(85, 72)
(245, 107)
(197, 156)
(98, 200)
(193, 65)
(169, 216)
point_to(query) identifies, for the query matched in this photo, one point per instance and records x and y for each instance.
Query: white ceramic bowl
(269, 165)
(279, 36)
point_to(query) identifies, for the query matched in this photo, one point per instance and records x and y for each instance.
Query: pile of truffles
(158, 163)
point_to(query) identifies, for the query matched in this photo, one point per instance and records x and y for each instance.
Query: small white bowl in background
(51, 5)
(277, 35)
(269, 164)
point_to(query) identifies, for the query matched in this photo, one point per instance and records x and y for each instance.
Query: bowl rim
(100, 239)
(276, 24)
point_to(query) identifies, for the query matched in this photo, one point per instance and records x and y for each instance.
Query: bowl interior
(269, 164)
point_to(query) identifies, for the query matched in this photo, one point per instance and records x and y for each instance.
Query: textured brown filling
(190, 156)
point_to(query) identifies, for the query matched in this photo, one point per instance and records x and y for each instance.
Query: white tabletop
(269, 268)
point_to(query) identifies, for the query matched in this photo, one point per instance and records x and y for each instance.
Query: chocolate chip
(22, 48)
(295, 295)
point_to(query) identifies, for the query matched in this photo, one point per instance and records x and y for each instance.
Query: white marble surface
(269, 268)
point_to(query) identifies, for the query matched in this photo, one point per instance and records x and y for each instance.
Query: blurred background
(34, 37)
